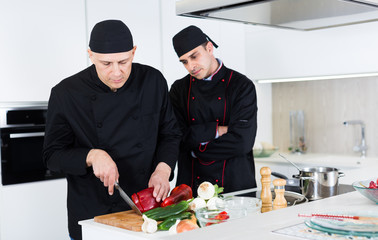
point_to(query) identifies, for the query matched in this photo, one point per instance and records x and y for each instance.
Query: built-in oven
(22, 127)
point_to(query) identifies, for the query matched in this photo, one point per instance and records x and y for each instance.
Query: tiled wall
(326, 105)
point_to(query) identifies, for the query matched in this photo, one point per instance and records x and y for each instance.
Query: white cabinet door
(42, 42)
(277, 53)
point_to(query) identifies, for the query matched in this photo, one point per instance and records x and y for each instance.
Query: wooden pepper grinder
(266, 194)
(279, 189)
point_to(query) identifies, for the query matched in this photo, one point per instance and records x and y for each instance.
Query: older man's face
(113, 69)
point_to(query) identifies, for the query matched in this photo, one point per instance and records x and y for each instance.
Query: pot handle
(303, 178)
(341, 174)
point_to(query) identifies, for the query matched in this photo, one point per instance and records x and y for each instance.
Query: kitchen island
(265, 226)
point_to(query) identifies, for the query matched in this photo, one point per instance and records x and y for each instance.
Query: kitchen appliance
(22, 127)
(288, 14)
(319, 182)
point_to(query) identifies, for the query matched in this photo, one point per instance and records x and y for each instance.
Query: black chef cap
(188, 39)
(111, 36)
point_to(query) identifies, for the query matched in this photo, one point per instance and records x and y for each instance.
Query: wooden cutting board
(128, 220)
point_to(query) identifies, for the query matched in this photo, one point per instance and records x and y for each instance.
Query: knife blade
(127, 199)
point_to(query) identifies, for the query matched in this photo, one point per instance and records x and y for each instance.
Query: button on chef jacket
(135, 125)
(201, 106)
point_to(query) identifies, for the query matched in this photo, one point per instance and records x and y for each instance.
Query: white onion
(213, 202)
(197, 203)
(206, 190)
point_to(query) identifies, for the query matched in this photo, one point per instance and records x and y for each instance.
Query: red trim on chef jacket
(205, 163)
(192, 173)
(224, 166)
(225, 99)
(187, 105)
(202, 150)
(211, 77)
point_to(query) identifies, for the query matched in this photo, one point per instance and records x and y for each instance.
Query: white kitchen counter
(260, 226)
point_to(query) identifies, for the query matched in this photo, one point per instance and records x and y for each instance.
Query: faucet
(362, 147)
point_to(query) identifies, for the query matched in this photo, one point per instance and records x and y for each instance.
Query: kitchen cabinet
(42, 42)
(279, 53)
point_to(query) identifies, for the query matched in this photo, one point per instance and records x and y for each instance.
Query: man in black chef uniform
(111, 122)
(216, 110)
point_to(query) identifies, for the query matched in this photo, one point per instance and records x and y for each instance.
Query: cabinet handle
(25, 135)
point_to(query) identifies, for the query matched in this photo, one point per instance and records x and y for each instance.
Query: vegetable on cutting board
(149, 225)
(179, 193)
(161, 213)
(144, 200)
(171, 220)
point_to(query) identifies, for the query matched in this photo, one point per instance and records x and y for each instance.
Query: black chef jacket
(135, 125)
(229, 99)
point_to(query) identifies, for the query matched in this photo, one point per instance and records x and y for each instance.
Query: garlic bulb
(149, 225)
(173, 230)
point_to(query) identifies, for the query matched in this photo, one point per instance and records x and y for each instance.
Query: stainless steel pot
(319, 182)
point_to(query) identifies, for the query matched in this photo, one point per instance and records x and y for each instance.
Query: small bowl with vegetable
(208, 217)
(368, 188)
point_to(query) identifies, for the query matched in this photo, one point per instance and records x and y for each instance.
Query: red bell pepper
(144, 200)
(178, 194)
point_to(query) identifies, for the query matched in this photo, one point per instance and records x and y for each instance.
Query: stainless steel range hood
(290, 14)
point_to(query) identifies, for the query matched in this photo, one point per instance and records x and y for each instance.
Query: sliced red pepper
(222, 216)
(178, 194)
(135, 199)
(145, 200)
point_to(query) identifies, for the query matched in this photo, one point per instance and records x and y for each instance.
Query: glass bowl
(240, 206)
(261, 153)
(363, 188)
(208, 217)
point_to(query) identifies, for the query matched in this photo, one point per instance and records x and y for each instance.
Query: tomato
(373, 185)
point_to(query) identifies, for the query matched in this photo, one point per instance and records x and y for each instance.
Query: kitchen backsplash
(326, 105)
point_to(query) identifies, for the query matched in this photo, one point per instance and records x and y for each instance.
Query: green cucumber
(161, 213)
(170, 221)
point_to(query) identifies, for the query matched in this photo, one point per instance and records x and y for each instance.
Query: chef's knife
(127, 199)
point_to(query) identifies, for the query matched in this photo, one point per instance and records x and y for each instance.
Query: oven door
(21, 155)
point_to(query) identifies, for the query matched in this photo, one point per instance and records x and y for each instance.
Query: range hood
(289, 14)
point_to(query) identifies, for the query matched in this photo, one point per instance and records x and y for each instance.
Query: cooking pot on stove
(292, 184)
(316, 182)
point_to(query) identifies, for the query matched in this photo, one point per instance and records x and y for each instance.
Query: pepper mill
(279, 189)
(266, 194)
